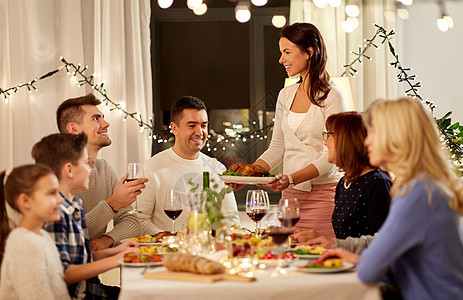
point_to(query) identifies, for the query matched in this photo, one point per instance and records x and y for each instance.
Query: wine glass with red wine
(279, 231)
(174, 206)
(257, 205)
(289, 211)
(135, 171)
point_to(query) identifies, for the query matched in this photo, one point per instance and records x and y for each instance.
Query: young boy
(67, 156)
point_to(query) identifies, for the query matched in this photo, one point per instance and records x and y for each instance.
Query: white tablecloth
(295, 285)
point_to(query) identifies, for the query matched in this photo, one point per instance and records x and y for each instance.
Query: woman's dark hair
(349, 142)
(21, 180)
(306, 35)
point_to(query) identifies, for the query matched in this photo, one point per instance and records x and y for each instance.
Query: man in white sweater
(173, 168)
(107, 198)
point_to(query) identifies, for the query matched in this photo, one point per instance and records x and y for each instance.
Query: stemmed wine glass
(135, 171)
(279, 231)
(174, 206)
(257, 205)
(289, 211)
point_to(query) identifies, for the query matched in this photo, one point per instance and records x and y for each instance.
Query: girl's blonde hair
(407, 137)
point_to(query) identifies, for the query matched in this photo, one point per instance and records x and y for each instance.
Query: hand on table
(101, 243)
(126, 193)
(341, 253)
(321, 241)
(302, 235)
(281, 182)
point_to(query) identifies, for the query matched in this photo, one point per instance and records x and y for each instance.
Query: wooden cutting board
(186, 276)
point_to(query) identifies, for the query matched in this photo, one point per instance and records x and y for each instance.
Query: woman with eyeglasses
(418, 247)
(362, 194)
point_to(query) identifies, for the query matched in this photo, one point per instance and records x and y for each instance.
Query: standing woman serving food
(297, 140)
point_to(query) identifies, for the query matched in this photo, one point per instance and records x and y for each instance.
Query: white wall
(435, 57)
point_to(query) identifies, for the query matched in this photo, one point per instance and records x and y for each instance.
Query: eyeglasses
(326, 135)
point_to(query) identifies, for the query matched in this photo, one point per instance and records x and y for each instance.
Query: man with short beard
(174, 168)
(107, 198)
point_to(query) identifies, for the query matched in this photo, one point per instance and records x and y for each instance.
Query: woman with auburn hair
(419, 241)
(362, 195)
(301, 112)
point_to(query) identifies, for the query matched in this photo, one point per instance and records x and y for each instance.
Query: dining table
(294, 285)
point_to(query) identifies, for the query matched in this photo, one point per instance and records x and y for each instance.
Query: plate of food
(270, 259)
(307, 252)
(246, 174)
(146, 240)
(140, 260)
(331, 265)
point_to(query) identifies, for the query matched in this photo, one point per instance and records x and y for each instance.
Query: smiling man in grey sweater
(107, 198)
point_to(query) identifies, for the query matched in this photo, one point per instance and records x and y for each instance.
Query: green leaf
(445, 124)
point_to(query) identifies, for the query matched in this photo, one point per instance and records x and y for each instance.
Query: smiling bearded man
(172, 169)
(107, 198)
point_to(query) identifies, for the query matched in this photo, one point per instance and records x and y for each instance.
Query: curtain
(111, 37)
(375, 79)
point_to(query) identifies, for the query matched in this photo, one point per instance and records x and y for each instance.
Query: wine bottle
(206, 181)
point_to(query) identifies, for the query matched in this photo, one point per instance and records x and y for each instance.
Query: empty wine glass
(174, 206)
(135, 171)
(257, 205)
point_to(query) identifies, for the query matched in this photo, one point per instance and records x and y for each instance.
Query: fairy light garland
(451, 135)
(215, 141)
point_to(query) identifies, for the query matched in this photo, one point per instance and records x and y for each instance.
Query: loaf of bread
(191, 263)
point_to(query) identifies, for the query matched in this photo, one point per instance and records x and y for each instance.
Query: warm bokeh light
(449, 21)
(242, 14)
(259, 2)
(347, 26)
(192, 4)
(407, 2)
(165, 3)
(320, 3)
(200, 10)
(334, 3)
(279, 21)
(442, 25)
(403, 13)
(352, 11)
(354, 21)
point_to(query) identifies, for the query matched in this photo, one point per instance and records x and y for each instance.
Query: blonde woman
(419, 241)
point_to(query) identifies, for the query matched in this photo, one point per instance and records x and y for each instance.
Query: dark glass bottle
(206, 181)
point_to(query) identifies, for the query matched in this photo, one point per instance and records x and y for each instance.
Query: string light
(165, 3)
(447, 132)
(242, 13)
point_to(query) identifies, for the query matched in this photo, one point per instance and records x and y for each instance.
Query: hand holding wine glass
(174, 206)
(257, 205)
(135, 171)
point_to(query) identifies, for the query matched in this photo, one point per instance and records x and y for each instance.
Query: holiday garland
(452, 134)
(215, 141)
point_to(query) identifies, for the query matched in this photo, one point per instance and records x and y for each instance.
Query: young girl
(31, 267)
(362, 195)
(419, 241)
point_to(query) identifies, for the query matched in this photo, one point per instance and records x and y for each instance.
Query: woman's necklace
(347, 186)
